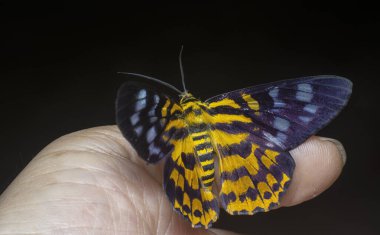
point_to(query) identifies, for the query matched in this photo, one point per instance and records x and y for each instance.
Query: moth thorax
(191, 106)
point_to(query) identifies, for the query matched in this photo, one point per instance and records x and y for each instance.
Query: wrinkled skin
(92, 182)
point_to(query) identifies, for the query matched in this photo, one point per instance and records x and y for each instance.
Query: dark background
(58, 75)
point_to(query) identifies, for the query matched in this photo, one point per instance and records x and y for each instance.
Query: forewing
(285, 113)
(183, 186)
(148, 119)
(252, 129)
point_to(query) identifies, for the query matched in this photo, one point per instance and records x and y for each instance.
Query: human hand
(93, 182)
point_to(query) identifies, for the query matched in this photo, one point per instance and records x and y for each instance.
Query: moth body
(196, 120)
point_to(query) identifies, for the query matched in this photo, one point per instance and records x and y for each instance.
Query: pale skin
(92, 182)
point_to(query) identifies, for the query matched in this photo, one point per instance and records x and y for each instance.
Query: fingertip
(319, 162)
(339, 146)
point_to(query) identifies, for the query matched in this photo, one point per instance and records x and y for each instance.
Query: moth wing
(254, 127)
(183, 186)
(253, 178)
(143, 113)
(285, 113)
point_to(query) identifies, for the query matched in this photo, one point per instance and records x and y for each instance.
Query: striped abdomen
(204, 151)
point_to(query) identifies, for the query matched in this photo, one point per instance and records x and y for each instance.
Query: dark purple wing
(286, 113)
(143, 114)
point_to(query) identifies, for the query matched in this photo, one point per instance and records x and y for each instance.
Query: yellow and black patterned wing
(253, 128)
(150, 118)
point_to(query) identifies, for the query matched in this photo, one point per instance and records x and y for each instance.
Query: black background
(58, 75)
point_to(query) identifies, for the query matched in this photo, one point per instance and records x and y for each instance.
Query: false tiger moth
(242, 138)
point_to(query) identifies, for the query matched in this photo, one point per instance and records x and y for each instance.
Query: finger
(79, 177)
(319, 162)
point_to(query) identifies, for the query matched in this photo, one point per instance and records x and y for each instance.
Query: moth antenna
(153, 79)
(181, 68)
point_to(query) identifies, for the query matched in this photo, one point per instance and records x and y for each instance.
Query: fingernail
(339, 147)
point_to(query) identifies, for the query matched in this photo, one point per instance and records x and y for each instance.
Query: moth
(242, 138)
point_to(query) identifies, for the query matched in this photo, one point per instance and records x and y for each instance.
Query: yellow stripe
(164, 110)
(224, 138)
(252, 103)
(204, 151)
(208, 173)
(227, 118)
(217, 118)
(196, 134)
(208, 181)
(224, 102)
(204, 163)
(202, 141)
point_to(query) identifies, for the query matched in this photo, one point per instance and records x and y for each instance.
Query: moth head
(187, 97)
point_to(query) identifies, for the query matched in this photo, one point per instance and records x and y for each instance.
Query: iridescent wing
(150, 119)
(264, 122)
